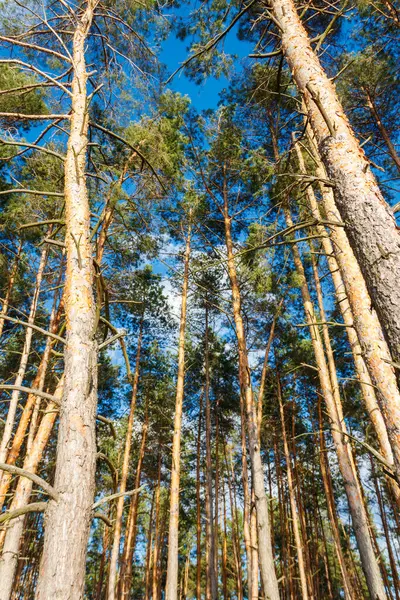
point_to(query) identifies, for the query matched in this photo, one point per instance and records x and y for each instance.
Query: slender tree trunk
(19, 437)
(345, 459)
(211, 576)
(261, 390)
(382, 129)
(12, 407)
(268, 575)
(368, 345)
(13, 533)
(254, 546)
(157, 533)
(67, 524)
(106, 542)
(217, 477)
(146, 581)
(368, 220)
(392, 562)
(130, 536)
(234, 525)
(198, 502)
(171, 590)
(112, 577)
(224, 548)
(293, 507)
(11, 281)
(246, 502)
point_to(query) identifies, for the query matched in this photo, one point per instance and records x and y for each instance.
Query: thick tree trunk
(13, 533)
(368, 220)
(374, 349)
(292, 498)
(171, 590)
(13, 404)
(112, 576)
(345, 458)
(11, 281)
(67, 523)
(266, 560)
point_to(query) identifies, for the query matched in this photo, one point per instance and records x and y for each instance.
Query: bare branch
(35, 478)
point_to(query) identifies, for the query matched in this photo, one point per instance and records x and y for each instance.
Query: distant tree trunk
(106, 542)
(217, 479)
(11, 281)
(146, 579)
(267, 567)
(372, 347)
(13, 533)
(246, 502)
(157, 533)
(254, 546)
(345, 458)
(211, 576)
(224, 548)
(112, 577)
(20, 434)
(234, 525)
(292, 498)
(125, 579)
(392, 561)
(368, 220)
(13, 404)
(198, 501)
(260, 399)
(171, 590)
(382, 129)
(67, 523)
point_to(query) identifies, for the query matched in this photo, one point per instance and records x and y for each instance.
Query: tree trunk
(171, 590)
(38, 384)
(11, 281)
(374, 348)
(260, 399)
(112, 577)
(198, 502)
(268, 575)
(293, 507)
(157, 533)
(368, 220)
(146, 581)
(382, 129)
(130, 536)
(224, 548)
(211, 577)
(13, 533)
(345, 459)
(12, 407)
(246, 502)
(67, 523)
(254, 546)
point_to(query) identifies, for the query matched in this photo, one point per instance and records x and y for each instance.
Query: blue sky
(206, 95)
